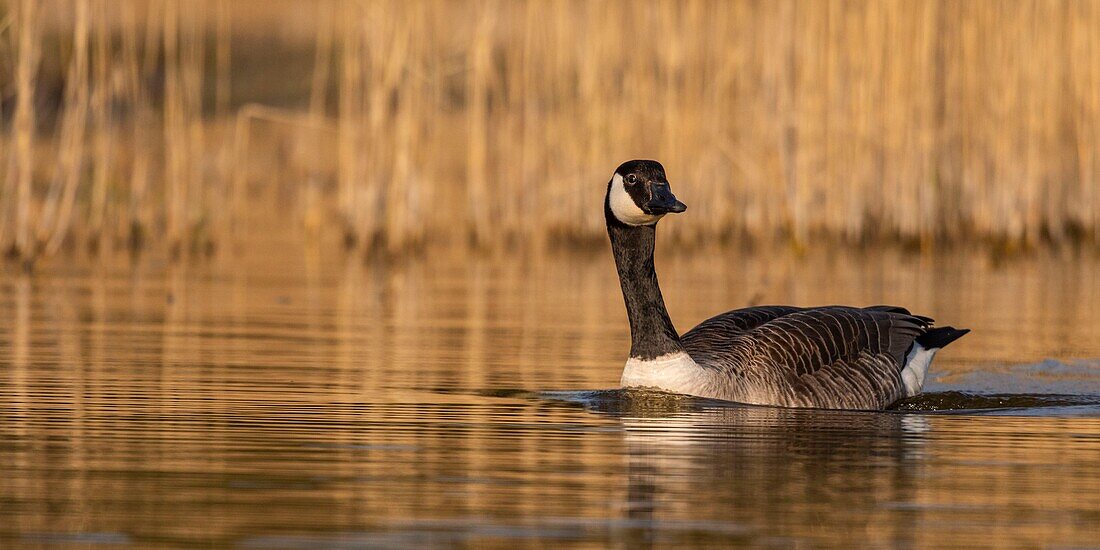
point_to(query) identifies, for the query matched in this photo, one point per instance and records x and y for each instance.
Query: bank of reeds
(499, 122)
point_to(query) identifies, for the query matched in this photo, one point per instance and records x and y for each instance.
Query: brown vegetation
(496, 122)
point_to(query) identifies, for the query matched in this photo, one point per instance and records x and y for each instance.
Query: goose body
(835, 357)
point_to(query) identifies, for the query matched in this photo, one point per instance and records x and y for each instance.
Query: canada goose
(834, 357)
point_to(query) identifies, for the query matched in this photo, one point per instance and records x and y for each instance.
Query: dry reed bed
(500, 121)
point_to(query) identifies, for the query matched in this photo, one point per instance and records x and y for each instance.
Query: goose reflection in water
(780, 471)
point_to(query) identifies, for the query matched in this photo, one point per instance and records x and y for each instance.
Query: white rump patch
(622, 205)
(675, 372)
(916, 367)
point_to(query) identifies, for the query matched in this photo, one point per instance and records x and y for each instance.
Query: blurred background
(389, 126)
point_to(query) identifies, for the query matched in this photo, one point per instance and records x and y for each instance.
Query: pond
(287, 398)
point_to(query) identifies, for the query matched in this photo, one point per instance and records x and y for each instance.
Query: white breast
(622, 205)
(675, 372)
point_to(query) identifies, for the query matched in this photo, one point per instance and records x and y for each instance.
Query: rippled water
(290, 400)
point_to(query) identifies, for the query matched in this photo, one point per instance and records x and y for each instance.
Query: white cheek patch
(622, 205)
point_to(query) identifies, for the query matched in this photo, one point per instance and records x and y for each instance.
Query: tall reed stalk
(350, 174)
(135, 225)
(103, 127)
(58, 209)
(478, 197)
(23, 127)
(176, 140)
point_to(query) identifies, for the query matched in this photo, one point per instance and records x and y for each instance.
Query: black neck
(651, 331)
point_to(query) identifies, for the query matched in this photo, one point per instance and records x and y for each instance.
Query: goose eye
(632, 179)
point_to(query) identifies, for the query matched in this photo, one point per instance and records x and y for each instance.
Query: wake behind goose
(835, 357)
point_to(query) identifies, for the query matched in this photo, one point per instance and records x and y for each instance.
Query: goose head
(639, 194)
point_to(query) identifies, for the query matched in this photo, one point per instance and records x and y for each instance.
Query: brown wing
(832, 356)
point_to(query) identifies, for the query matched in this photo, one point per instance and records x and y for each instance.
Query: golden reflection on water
(294, 401)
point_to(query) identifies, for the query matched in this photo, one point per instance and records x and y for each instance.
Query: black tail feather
(898, 309)
(891, 309)
(939, 337)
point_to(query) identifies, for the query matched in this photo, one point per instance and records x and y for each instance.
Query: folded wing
(834, 356)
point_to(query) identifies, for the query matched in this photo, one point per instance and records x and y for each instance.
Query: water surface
(293, 400)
